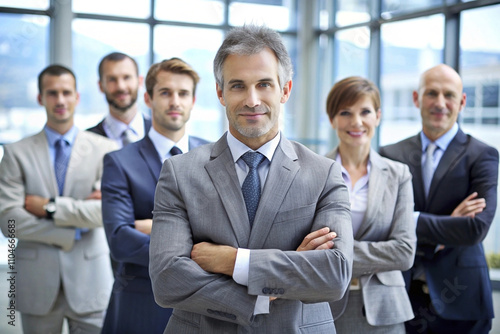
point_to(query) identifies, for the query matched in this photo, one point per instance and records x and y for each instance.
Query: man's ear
(415, 99)
(287, 89)
(147, 100)
(220, 95)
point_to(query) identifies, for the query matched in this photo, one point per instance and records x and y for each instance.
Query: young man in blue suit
(455, 180)
(229, 217)
(128, 186)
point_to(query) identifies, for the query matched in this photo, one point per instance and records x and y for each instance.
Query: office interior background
(389, 41)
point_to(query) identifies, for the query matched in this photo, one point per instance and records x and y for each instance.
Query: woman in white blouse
(382, 215)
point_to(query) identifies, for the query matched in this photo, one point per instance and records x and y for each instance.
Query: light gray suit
(47, 255)
(385, 244)
(198, 198)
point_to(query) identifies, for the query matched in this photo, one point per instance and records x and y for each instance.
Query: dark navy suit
(128, 187)
(457, 276)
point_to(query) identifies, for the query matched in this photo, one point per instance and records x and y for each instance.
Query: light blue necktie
(63, 152)
(251, 185)
(428, 167)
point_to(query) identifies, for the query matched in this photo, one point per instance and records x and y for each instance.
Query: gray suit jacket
(198, 198)
(47, 254)
(384, 244)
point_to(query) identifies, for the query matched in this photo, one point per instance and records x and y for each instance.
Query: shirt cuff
(416, 214)
(241, 266)
(240, 276)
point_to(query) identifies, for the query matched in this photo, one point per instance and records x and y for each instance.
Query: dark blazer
(128, 187)
(99, 128)
(199, 198)
(457, 276)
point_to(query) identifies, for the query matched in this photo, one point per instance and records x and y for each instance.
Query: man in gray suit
(230, 218)
(50, 202)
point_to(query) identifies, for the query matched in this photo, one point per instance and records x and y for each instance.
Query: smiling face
(120, 84)
(60, 98)
(356, 124)
(252, 96)
(171, 103)
(440, 99)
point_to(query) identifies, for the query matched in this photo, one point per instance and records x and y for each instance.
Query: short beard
(121, 108)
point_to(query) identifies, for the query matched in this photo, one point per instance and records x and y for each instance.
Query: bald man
(455, 180)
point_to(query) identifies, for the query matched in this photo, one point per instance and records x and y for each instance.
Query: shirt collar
(346, 173)
(53, 136)
(116, 127)
(163, 145)
(238, 148)
(443, 141)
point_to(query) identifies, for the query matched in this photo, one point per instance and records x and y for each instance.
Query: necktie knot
(253, 159)
(127, 136)
(175, 150)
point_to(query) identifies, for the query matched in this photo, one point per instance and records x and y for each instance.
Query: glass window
(392, 8)
(197, 47)
(408, 49)
(126, 8)
(490, 95)
(277, 15)
(352, 12)
(207, 11)
(480, 68)
(23, 55)
(89, 46)
(351, 52)
(29, 4)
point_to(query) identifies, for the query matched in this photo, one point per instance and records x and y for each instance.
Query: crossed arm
(220, 259)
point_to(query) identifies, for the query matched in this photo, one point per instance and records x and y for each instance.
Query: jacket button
(265, 291)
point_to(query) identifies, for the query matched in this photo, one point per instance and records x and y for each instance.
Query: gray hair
(249, 40)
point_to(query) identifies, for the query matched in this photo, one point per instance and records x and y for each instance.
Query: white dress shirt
(242, 264)
(163, 145)
(114, 128)
(358, 195)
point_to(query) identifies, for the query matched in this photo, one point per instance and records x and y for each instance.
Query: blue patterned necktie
(175, 150)
(63, 152)
(251, 185)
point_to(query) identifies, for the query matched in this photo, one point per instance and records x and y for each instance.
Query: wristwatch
(50, 208)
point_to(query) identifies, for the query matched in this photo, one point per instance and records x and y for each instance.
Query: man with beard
(225, 257)
(119, 80)
(128, 186)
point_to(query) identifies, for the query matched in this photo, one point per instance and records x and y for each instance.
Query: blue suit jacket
(128, 187)
(457, 276)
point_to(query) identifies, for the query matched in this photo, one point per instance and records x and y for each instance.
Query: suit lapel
(450, 157)
(221, 169)
(281, 174)
(46, 167)
(376, 192)
(150, 156)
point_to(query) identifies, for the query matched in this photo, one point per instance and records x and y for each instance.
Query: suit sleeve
(398, 251)
(466, 231)
(82, 213)
(313, 276)
(125, 242)
(26, 226)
